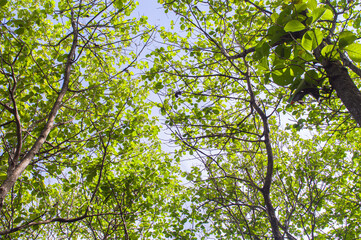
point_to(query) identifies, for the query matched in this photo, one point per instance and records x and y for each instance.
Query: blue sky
(154, 11)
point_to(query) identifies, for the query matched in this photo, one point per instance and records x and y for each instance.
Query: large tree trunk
(341, 81)
(345, 88)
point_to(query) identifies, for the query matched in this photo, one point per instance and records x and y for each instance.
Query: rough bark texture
(341, 81)
(345, 88)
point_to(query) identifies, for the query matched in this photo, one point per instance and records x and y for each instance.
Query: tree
(228, 77)
(80, 155)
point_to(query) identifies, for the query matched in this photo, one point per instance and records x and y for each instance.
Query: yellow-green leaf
(354, 51)
(294, 26)
(346, 38)
(327, 15)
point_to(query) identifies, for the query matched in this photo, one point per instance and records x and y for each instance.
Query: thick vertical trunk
(341, 81)
(345, 88)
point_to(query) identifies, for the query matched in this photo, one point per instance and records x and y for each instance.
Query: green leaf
(346, 38)
(282, 76)
(311, 77)
(354, 51)
(307, 40)
(118, 4)
(262, 50)
(311, 39)
(312, 4)
(317, 13)
(327, 15)
(3, 176)
(20, 31)
(3, 2)
(283, 51)
(330, 51)
(18, 219)
(275, 32)
(159, 85)
(294, 26)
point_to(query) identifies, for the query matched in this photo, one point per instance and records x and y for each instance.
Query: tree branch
(12, 178)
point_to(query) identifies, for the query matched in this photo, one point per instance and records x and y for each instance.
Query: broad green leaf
(330, 52)
(275, 32)
(3, 176)
(312, 4)
(294, 26)
(300, 7)
(318, 36)
(311, 77)
(307, 40)
(327, 15)
(311, 39)
(283, 51)
(317, 13)
(354, 51)
(262, 50)
(283, 76)
(346, 38)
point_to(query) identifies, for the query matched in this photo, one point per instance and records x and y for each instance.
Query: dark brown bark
(343, 84)
(270, 161)
(345, 88)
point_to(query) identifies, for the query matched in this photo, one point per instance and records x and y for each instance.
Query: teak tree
(229, 77)
(80, 156)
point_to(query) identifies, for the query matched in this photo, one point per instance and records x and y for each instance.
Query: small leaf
(294, 26)
(18, 220)
(354, 51)
(118, 4)
(346, 38)
(274, 17)
(158, 86)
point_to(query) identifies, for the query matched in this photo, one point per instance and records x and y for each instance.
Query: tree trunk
(345, 88)
(341, 81)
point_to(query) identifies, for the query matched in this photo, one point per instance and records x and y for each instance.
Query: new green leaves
(346, 38)
(345, 42)
(294, 26)
(311, 39)
(354, 51)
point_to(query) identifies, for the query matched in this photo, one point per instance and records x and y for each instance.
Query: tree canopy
(263, 96)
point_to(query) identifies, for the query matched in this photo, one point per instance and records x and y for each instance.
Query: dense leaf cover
(261, 93)
(263, 96)
(76, 132)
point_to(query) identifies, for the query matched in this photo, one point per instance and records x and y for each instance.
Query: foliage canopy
(263, 94)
